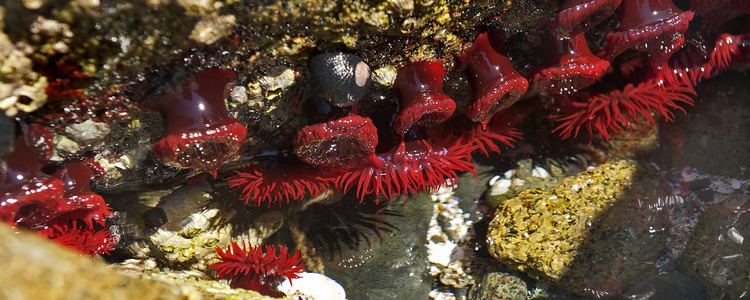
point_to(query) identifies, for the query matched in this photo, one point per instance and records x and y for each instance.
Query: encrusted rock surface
(21, 89)
(499, 286)
(539, 231)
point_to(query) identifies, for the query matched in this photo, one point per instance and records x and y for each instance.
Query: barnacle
(252, 268)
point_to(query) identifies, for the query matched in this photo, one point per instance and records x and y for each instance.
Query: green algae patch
(539, 231)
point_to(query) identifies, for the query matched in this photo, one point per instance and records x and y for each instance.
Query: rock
(312, 286)
(394, 268)
(190, 284)
(7, 134)
(540, 231)
(34, 268)
(712, 136)
(672, 286)
(213, 28)
(499, 286)
(717, 252)
(88, 133)
(64, 146)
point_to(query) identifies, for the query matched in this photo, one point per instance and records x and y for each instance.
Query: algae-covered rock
(539, 231)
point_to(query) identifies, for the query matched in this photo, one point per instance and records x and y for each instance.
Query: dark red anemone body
(570, 66)
(651, 26)
(280, 180)
(412, 167)
(346, 142)
(423, 102)
(200, 133)
(496, 83)
(578, 16)
(23, 187)
(55, 205)
(696, 63)
(608, 114)
(81, 204)
(251, 268)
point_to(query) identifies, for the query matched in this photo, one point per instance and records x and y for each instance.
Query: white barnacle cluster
(21, 89)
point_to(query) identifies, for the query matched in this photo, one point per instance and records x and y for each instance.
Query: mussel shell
(340, 78)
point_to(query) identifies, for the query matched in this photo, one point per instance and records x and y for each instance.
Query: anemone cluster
(647, 68)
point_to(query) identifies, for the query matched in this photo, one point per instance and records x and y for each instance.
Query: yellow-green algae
(540, 231)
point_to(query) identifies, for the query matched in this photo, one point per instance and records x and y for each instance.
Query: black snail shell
(340, 78)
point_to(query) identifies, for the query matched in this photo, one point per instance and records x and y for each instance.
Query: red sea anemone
(280, 180)
(81, 238)
(346, 142)
(651, 26)
(251, 268)
(423, 102)
(200, 133)
(81, 203)
(412, 167)
(609, 113)
(497, 85)
(692, 64)
(23, 186)
(578, 16)
(570, 66)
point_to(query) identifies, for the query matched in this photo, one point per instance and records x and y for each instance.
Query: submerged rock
(499, 286)
(395, 267)
(717, 253)
(539, 231)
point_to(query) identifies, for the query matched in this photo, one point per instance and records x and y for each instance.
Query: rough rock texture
(21, 89)
(37, 269)
(539, 231)
(717, 254)
(499, 286)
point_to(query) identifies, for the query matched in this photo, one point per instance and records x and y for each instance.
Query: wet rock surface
(540, 232)
(497, 286)
(34, 268)
(397, 266)
(713, 136)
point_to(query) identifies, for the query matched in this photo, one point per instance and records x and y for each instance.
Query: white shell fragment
(735, 235)
(312, 286)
